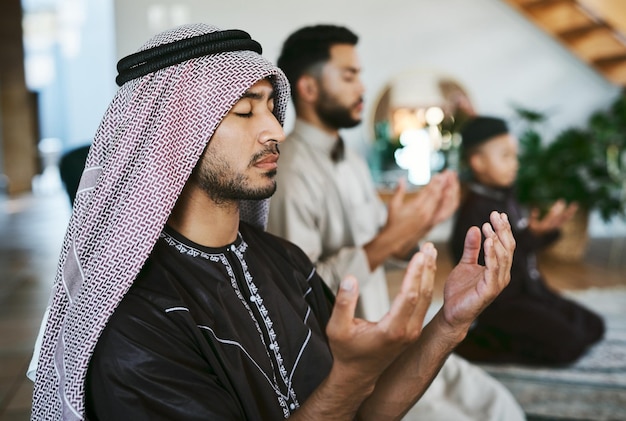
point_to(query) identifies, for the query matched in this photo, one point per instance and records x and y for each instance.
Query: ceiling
(593, 30)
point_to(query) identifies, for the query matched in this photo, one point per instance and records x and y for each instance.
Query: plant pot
(572, 244)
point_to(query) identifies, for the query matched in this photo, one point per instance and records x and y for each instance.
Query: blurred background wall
(492, 50)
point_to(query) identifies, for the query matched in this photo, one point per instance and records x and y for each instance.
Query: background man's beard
(335, 115)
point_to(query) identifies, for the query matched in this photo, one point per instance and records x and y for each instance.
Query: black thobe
(528, 322)
(229, 333)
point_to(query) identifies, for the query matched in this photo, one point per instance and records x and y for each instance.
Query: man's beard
(222, 184)
(334, 114)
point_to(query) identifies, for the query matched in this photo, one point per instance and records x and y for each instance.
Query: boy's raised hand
(559, 213)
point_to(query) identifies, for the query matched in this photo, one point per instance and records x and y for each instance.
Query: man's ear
(308, 88)
(477, 162)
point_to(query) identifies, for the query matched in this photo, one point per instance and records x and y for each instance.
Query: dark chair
(71, 166)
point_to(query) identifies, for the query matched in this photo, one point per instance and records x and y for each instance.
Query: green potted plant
(608, 129)
(578, 166)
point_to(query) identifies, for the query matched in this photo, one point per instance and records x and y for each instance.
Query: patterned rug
(594, 388)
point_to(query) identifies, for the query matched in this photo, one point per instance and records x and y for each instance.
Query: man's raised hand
(364, 349)
(470, 287)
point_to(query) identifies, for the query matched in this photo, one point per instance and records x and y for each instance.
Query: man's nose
(274, 132)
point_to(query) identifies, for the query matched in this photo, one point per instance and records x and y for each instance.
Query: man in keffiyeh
(171, 302)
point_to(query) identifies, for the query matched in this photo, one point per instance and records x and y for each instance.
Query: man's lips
(268, 162)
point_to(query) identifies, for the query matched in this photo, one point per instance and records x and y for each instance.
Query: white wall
(75, 67)
(495, 52)
(498, 55)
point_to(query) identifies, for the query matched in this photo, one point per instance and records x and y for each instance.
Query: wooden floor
(31, 232)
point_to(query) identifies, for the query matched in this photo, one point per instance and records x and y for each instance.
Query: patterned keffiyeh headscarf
(146, 147)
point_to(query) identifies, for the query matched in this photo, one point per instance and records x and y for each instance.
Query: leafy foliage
(576, 165)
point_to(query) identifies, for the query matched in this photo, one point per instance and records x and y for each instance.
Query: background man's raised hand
(410, 220)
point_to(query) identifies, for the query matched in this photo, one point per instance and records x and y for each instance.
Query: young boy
(528, 323)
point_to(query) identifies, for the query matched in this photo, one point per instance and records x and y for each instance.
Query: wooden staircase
(594, 30)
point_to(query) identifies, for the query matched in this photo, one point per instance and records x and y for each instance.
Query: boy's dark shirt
(475, 209)
(527, 323)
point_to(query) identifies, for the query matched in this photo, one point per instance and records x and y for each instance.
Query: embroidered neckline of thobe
(255, 298)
